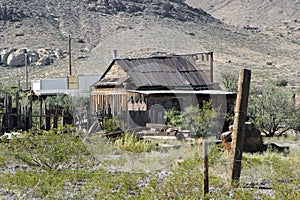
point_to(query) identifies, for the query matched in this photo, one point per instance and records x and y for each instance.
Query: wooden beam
(212, 67)
(239, 126)
(205, 168)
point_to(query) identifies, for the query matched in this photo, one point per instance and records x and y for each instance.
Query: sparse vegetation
(272, 110)
(76, 176)
(230, 81)
(198, 120)
(48, 150)
(281, 83)
(129, 142)
(56, 164)
(111, 125)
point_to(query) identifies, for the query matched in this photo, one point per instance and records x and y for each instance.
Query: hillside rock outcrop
(4, 55)
(16, 57)
(176, 9)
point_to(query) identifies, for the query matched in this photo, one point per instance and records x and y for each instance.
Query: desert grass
(75, 173)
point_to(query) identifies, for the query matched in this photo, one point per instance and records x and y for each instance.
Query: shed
(140, 90)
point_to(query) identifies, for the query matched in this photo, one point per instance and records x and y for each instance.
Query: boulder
(17, 58)
(47, 56)
(33, 56)
(43, 56)
(45, 60)
(92, 6)
(58, 53)
(5, 53)
(47, 52)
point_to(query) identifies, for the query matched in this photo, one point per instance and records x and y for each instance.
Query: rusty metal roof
(170, 71)
(184, 92)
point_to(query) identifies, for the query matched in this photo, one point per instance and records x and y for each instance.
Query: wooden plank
(41, 113)
(212, 67)
(205, 168)
(30, 112)
(239, 126)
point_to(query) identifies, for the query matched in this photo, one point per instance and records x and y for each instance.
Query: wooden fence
(17, 115)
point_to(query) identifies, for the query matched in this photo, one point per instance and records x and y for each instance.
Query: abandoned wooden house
(139, 90)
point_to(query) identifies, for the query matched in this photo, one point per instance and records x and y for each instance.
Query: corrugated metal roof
(164, 71)
(170, 71)
(210, 92)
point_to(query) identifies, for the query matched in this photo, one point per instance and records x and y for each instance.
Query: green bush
(74, 174)
(48, 150)
(280, 83)
(173, 117)
(131, 143)
(111, 125)
(198, 120)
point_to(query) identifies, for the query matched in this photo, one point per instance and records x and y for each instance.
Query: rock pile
(16, 57)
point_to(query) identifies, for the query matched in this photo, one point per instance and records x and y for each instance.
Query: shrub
(173, 117)
(111, 125)
(131, 143)
(198, 120)
(230, 81)
(280, 83)
(48, 150)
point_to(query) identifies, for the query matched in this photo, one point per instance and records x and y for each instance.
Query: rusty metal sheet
(164, 71)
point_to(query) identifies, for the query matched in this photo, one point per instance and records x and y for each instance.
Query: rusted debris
(276, 148)
(253, 141)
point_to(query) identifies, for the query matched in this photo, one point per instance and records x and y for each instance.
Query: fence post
(48, 118)
(17, 111)
(239, 126)
(55, 117)
(205, 169)
(30, 112)
(41, 112)
(6, 115)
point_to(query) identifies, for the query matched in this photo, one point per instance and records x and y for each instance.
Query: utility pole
(70, 58)
(239, 127)
(26, 71)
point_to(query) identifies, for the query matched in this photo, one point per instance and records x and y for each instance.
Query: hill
(143, 27)
(272, 17)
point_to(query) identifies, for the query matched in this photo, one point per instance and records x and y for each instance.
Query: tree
(197, 119)
(294, 121)
(272, 110)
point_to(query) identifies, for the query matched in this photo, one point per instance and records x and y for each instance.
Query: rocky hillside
(136, 28)
(272, 17)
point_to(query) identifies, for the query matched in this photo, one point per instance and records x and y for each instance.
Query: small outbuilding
(139, 90)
